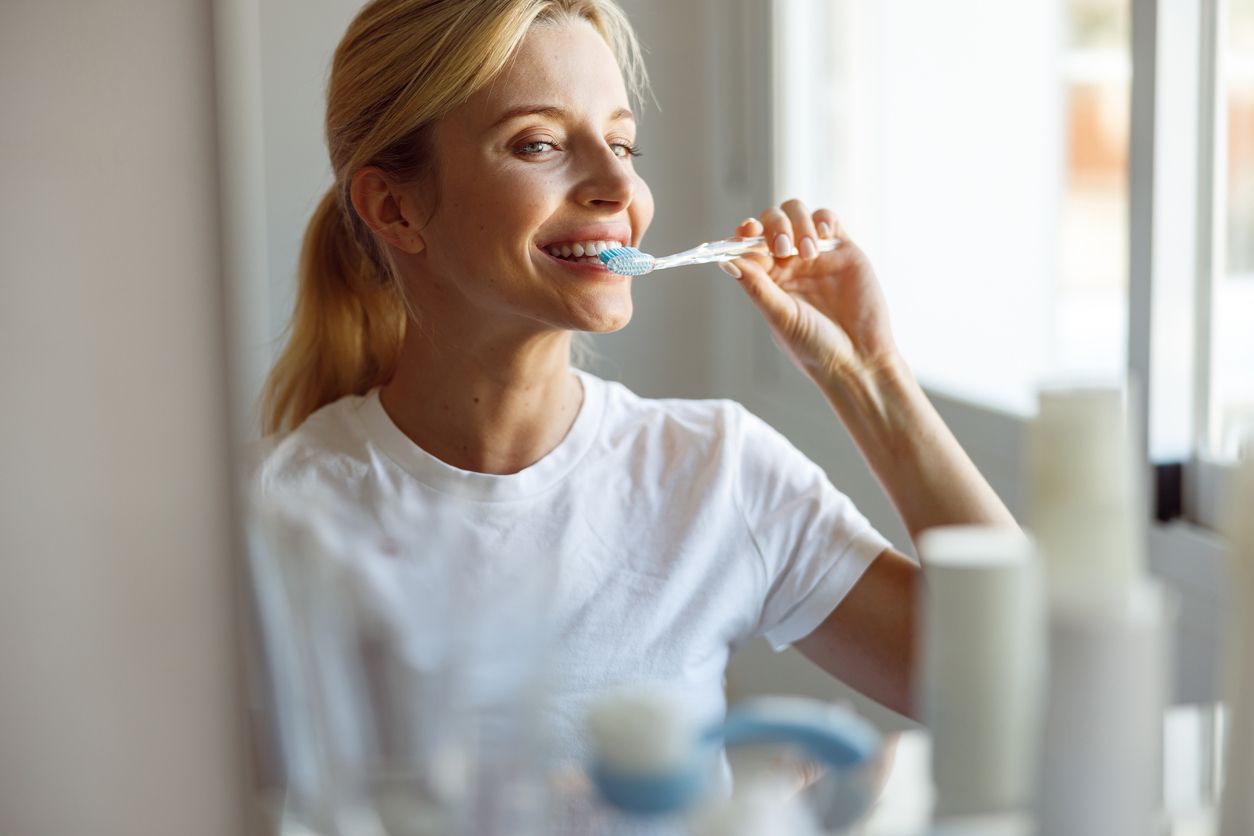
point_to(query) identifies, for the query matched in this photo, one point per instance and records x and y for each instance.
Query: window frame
(1207, 477)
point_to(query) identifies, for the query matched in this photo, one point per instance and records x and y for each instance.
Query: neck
(485, 405)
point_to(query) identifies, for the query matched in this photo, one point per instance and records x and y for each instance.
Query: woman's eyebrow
(552, 112)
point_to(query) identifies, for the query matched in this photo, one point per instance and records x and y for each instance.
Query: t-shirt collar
(445, 478)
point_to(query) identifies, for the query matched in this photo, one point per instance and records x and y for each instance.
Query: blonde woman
(478, 146)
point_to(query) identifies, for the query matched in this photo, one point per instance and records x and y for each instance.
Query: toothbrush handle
(729, 248)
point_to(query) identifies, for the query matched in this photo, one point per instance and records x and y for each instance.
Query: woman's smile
(577, 250)
(587, 267)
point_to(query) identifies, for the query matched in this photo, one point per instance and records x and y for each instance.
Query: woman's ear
(386, 209)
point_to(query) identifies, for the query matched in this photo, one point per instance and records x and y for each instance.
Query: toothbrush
(649, 760)
(629, 261)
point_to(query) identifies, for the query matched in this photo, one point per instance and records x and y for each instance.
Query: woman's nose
(608, 182)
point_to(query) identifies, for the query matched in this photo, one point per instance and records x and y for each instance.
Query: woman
(478, 147)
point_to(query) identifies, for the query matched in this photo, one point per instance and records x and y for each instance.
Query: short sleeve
(813, 542)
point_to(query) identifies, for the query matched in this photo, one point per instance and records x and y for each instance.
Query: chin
(606, 324)
(603, 316)
(609, 327)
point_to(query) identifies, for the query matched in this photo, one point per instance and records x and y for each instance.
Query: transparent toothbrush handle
(729, 248)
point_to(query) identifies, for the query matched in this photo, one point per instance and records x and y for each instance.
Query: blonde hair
(401, 66)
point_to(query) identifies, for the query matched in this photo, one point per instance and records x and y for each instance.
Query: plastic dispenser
(1101, 768)
(982, 656)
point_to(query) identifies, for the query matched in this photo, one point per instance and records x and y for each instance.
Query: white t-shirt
(656, 539)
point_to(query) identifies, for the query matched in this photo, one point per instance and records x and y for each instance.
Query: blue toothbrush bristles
(627, 261)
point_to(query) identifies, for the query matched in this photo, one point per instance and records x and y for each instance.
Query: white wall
(118, 684)
(297, 40)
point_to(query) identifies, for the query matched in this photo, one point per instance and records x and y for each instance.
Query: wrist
(867, 380)
(880, 402)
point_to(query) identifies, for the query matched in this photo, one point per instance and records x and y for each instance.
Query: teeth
(580, 249)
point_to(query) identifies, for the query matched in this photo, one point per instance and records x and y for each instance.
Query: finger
(777, 229)
(776, 305)
(803, 228)
(828, 225)
(749, 227)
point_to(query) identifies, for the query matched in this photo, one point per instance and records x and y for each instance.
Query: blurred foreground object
(655, 764)
(982, 654)
(1237, 810)
(1101, 770)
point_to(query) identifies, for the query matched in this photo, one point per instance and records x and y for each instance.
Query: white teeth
(581, 249)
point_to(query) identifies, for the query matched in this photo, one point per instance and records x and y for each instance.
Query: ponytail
(346, 330)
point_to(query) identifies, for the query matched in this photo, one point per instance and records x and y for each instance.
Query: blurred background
(1033, 216)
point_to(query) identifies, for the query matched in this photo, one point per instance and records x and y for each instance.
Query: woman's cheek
(641, 210)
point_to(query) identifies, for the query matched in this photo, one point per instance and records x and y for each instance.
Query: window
(1230, 406)
(1224, 348)
(992, 139)
(1088, 333)
(1028, 221)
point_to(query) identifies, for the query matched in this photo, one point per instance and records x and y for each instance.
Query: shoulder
(754, 454)
(687, 429)
(329, 445)
(690, 420)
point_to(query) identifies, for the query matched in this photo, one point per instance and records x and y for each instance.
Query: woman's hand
(825, 309)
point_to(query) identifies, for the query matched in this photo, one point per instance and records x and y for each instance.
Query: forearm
(925, 472)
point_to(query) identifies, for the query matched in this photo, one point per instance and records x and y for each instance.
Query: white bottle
(982, 660)
(1101, 766)
(1237, 809)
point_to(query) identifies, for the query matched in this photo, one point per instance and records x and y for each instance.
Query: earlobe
(385, 209)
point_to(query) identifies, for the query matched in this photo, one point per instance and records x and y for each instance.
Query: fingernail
(825, 230)
(808, 248)
(748, 221)
(783, 246)
(730, 269)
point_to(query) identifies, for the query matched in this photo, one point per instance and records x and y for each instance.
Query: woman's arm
(828, 313)
(868, 640)
(925, 472)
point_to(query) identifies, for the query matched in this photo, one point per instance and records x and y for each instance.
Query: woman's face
(538, 162)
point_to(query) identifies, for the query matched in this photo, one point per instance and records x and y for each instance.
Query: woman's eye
(626, 149)
(534, 148)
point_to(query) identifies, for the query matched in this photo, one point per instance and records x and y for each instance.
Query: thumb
(776, 305)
